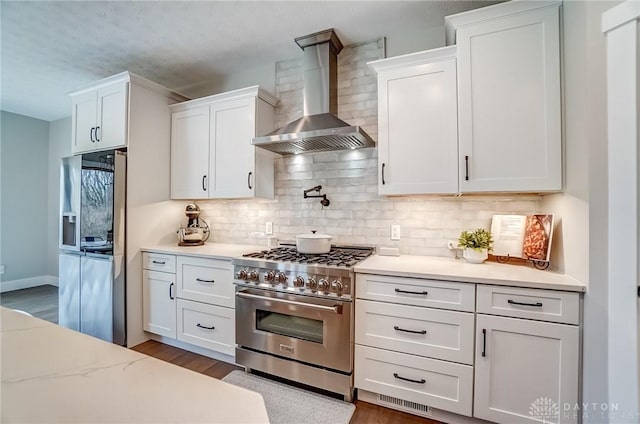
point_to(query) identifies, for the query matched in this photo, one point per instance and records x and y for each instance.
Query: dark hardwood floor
(41, 301)
(366, 413)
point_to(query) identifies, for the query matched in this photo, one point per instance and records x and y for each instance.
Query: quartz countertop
(55, 375)
(208, 250)
(441, 268)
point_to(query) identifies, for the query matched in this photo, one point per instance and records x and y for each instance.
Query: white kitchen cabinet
(417, 123)
(509, 98)
(99, 118)
(525, 371)
(409, 356)
(189, 153)
(214, 133)
(101, 112)
(206, 280)
(190, 299)
(159, 295)
(209, 326)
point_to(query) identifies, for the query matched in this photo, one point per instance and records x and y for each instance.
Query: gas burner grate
(346, 257)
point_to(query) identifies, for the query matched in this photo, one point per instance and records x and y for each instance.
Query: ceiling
(49, 49)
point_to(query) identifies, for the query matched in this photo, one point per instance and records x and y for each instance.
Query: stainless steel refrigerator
(92, 245)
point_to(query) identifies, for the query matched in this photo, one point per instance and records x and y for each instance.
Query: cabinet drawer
(438, 384)
(159, 262)
(420, 331)
(208, 326)
(206, 280)
(544, 305)
(416, 291)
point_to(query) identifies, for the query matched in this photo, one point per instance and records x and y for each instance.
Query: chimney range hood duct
(319, 129)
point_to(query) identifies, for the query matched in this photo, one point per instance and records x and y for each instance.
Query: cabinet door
(83, 122)
(509, 103)
(418, 143)
(232, 160)
(526, 371)
(96, 302)
(159, 303)
(190, 154)
(111, 131)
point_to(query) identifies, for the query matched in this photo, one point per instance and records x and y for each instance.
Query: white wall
(24, 200)
(59, 147)
(582, 243)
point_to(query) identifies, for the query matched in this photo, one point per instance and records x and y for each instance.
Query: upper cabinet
(100, 112)
(417, 123)
(509, 98)
(483, 115)
(211, 151)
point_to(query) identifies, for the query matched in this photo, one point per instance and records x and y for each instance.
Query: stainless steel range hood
(319, 129)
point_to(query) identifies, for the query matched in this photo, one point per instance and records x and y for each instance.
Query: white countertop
(55, 375)
(451, 269)
(208, 250)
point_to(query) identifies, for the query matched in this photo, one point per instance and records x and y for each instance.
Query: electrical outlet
(269, 228)
(395, 232)
(1, 269)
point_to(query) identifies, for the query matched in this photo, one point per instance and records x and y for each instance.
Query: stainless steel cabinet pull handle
(336, 308)
(249, 180)
(410, 380)
(204, 180)
(205, 281)
(205, 327)
(91, 134)
(484, 342)
(422, 293)
(395, 327)
(171, 291)
(97, 128)
(513, 302)
(383, 182)
(159, 262)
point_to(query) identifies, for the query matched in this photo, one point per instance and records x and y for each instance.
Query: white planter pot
(475, 257)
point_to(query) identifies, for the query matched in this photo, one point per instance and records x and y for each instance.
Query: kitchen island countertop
(441, 268)
(55, 375)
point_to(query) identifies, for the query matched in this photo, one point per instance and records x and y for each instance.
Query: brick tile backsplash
(357, 214)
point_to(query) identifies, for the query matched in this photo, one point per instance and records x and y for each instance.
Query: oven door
(304, 328)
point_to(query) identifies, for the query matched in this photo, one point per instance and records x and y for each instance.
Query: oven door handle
(337, 309)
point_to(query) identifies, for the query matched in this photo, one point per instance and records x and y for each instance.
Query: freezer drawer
(96, 299)
(69, 291)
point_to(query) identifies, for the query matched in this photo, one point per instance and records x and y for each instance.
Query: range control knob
(323, 284)
(312, 284)
(243, 274)
(337, 286)
(298, 282)
(269, 276)
(282, 278)
(254, 276)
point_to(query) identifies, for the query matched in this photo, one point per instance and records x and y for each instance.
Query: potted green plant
(476, 244)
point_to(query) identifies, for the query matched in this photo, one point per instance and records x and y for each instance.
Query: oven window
(288, 325)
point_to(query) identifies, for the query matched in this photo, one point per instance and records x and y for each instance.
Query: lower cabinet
(423, 381)
(208, 326)
(159, 303)
(512, 356)
(190, 299)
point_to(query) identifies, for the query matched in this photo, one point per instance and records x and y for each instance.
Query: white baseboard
(25, 283)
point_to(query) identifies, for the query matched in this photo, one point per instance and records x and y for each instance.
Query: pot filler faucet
(323, 202)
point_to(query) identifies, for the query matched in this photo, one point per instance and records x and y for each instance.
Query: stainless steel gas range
(294, 314)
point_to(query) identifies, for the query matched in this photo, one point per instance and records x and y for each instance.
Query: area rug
(290, 405)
